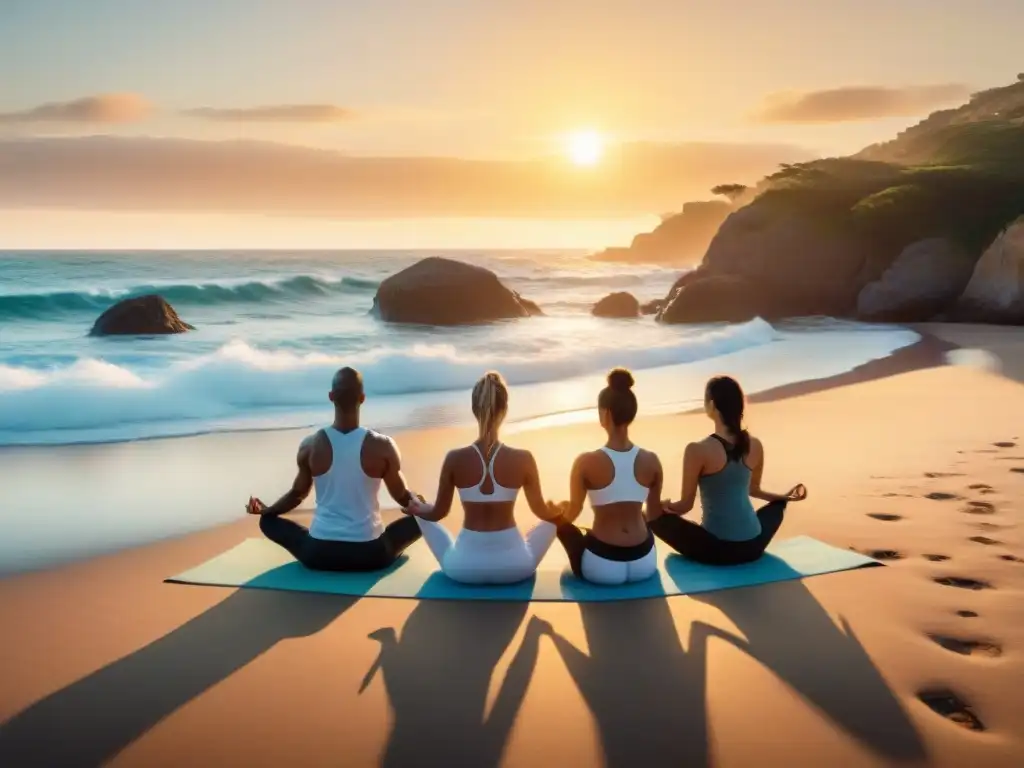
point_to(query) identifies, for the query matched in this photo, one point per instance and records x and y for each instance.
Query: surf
(60, 303)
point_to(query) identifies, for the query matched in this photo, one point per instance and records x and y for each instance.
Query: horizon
(321, 126)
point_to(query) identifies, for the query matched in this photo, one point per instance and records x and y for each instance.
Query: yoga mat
(261, 564)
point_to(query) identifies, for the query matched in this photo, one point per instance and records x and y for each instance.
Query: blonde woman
(488, 477)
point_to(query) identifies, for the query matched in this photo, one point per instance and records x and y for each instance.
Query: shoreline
(258, 462)
(263, 458)
(116, 480)
(757, 364)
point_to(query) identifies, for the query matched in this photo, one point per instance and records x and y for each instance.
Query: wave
(239, 380)
(47, 305)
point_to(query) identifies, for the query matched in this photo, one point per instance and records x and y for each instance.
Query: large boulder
(922, 282)
(148, 315)
(620, 304)
(802, 265)
(718, 298)
(995, 291)
(439, 291)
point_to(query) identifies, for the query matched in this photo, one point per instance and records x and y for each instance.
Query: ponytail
(490, 404)
(726, 395)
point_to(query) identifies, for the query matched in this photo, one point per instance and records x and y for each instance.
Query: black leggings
(323, 555)
(576, 541)
(696, 543)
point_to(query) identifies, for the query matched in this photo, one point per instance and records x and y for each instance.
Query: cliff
(680, 238)
(817, 234)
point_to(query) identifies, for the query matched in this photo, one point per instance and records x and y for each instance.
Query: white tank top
(346, 499)
(476, 495)
(624, 486)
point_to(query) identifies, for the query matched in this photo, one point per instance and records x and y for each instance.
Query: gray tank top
(725, 500)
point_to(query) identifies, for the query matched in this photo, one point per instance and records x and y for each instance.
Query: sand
(104, 663)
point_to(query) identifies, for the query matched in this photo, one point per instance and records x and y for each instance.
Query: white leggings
(614, 572)
(488, 557)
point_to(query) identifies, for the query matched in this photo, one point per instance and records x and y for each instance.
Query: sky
(453, 110)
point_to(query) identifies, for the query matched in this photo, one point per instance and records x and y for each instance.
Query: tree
(732, 191)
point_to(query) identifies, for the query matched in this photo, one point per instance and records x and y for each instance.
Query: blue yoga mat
(261, 564)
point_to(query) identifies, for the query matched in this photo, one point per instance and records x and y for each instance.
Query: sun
(585, 147)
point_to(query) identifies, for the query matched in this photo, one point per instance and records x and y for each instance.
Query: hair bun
(620, 380)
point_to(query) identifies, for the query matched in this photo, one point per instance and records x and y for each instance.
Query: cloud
(850, 103)
(276, 113)
(160, 174)
(101, 108)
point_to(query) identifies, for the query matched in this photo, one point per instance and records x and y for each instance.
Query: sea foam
(240, 378)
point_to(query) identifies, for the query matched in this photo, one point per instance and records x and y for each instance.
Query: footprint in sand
(1005, 444)
(934, 475)
(962, 583)
(1011, 558)
(942, 496)
(937, 558)
(1018, 470)
(885, 517)
(946, 703)
(981, 488)
(984, 540)
(884, 554)
(967, 614)
(979, 508)
(968, 647)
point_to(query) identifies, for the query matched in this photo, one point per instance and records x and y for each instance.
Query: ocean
(273, 326)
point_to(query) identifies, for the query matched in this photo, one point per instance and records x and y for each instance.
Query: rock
(147, 315)
(714, 299)
(439, 291)
(800, 264)
(532, 308)
(680, 238)
(620, 304)
(923, 281)
(652, 307)
(685, 279)
(995, 291)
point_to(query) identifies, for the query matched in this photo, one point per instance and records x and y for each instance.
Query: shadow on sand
(648, 694)
(90, 721)
(437, 676)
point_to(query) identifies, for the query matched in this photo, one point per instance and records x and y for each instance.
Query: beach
(909, 459)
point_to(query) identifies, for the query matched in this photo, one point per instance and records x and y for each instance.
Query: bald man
(346, 463)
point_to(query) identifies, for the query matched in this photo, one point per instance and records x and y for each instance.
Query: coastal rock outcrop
(799, 264)
(995, 291)
(771, 262)
(713, 299)
(619, 304)
(440, 291)
(924, 280)
(148, 315)
(680, 238)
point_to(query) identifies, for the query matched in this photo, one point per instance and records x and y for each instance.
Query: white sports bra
(475, 495)
(624, 486)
